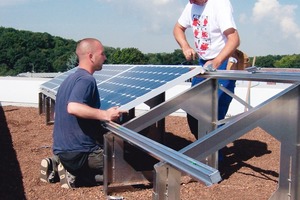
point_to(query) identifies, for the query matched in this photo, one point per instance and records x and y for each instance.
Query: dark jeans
(223, 98)
(83, 165)
(95, 161)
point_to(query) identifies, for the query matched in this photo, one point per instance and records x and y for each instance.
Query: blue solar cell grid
(134, 83)
(54, 84)
(109, 71)
(120, 84)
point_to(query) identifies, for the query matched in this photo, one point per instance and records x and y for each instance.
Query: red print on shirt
(201, 25)
(204, 34)
(196, 33)
(205, 22)
(204, 46)
(195, 21)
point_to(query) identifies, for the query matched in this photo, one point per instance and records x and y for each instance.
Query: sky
(266, 27)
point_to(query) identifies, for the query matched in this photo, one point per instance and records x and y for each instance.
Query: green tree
(72, 61)
(153, 59)
(25, 51)
(23, 65)
(5, 70)
(266, 61)
(60, 63)
(178, 57)
(109, 51)
(288, 61)
(128, 56)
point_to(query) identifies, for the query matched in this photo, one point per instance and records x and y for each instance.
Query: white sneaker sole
(62, 177)
(44, 170)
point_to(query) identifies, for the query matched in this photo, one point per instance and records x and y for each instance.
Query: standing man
(78, 134)
(215, 40)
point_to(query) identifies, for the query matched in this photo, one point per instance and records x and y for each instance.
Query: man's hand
(114, 113)
(209, 68)
(189, 54)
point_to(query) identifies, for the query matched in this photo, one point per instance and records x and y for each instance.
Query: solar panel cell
(129, 85)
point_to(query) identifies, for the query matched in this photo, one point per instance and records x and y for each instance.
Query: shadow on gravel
(11, 184)
(175, 142)
(234, 157)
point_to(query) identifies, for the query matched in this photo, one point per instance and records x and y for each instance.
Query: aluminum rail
(281, 77)
(174, 158)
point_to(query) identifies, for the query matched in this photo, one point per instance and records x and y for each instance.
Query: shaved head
(87, 45)
(90, 53)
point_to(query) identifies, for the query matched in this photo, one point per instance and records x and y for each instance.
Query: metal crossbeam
(279, 116)
(174, 158)
(279, 77)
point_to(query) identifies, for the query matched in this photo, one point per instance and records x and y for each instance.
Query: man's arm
(233, 41)
(87, 112)
(180, 37)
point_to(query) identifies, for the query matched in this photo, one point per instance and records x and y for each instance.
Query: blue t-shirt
(71, 133)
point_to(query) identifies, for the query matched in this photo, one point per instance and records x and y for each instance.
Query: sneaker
(48, 174)
(67, 180)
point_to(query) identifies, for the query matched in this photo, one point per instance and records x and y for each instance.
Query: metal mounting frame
(279, 116)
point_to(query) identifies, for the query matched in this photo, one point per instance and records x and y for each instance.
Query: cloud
(161, 2)
(283, 16)
(4, 3)
(243, 18)
(135, 2)
(156, 15)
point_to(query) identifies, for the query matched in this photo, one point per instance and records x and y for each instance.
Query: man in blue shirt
(78, 134)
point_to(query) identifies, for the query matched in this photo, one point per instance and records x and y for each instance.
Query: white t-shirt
(208, 23)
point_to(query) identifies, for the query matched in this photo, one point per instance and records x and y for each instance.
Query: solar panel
(129, 85)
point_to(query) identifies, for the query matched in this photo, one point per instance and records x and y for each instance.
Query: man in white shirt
(215, 40)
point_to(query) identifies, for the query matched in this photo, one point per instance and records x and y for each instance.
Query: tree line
(26, 51)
